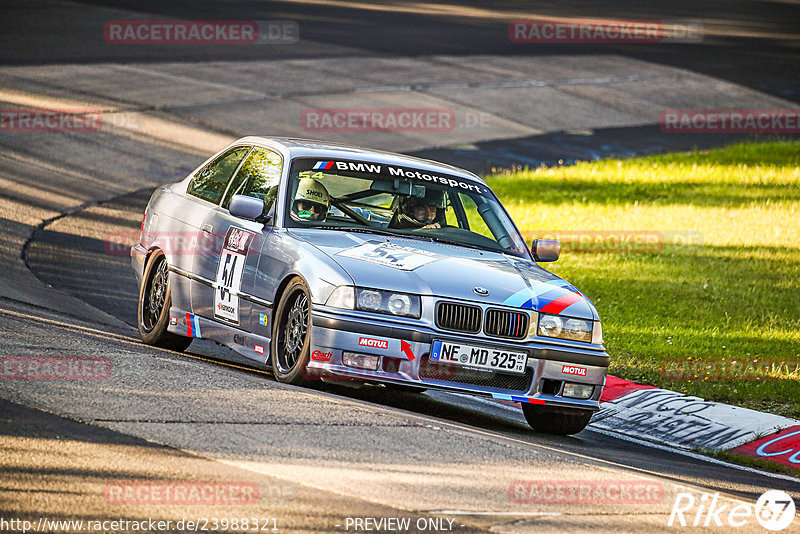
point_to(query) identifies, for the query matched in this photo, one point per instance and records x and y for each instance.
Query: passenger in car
(420, 212)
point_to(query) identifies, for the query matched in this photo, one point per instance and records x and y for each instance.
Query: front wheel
(289, 349)
(559, 421)
(155, 300)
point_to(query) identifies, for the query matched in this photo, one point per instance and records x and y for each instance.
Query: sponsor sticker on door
(229, 274)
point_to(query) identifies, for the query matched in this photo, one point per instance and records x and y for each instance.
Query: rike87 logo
(774, 510)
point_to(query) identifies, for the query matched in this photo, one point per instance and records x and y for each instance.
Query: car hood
(442, 270)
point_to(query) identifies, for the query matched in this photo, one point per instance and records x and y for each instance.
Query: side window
(258, 177)
(210, 183)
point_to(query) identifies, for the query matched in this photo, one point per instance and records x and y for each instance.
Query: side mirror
(245, 207)
(546, 249)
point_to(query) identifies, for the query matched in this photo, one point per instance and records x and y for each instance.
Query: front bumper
(334, 332)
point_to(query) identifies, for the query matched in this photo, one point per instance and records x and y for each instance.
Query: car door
(180, 217)
(230, 297)
(203, 194)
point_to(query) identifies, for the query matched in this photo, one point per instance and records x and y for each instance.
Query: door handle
(207, 229)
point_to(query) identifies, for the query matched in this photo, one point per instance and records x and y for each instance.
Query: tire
(155, 299)
(290, 344)
(559, 421)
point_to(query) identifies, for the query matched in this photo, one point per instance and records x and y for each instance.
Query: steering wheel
(352, 214)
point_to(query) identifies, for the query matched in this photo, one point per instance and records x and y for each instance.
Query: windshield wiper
(373, 230)
(461, 244)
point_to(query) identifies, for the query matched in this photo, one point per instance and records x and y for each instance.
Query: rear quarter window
(212, 180)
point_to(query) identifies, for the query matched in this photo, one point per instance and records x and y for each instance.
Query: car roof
(297, 147)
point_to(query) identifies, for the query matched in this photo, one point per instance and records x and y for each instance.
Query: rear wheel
(289, 349)
(560, 421)
(155, 300)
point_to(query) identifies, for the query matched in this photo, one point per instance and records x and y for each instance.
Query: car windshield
(349, 195)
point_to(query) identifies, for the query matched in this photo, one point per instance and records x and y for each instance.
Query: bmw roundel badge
(482, 291)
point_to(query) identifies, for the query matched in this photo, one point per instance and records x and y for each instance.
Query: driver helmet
(311, 202)
(422, 211)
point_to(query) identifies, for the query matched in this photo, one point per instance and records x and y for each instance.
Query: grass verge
(722, 286)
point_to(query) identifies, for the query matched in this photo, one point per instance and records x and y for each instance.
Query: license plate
(479, 357)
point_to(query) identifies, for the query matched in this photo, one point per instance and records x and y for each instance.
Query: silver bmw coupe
(338, 263)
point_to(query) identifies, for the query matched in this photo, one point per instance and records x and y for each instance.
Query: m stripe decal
(527, 297)
(192, 325)
(515, 398)
(561, 303)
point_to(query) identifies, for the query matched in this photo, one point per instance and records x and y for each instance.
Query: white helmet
(311, 191)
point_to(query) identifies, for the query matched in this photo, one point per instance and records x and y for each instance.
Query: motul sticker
(374, 343)
(572, 370)
(259, 349)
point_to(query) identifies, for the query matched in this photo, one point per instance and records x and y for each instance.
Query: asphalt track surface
(317, 455)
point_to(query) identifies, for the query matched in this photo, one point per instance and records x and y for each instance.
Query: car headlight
(400, 304)
(567, 328)
(342, 297)
(550, 325)
(369, 300)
